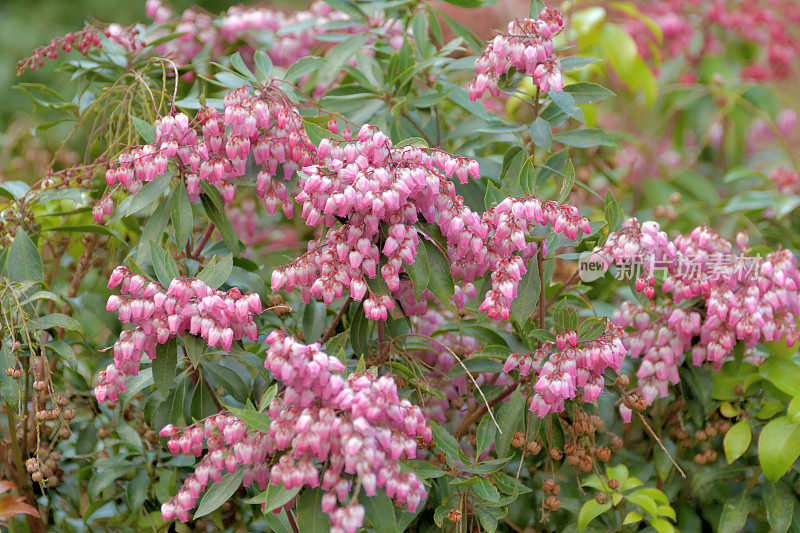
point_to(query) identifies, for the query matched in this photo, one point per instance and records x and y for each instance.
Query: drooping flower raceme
(357, 188)
(566, 365)
(334, 430)
(296, 33)
(740, 299)
(187, 306)
(526, 46)
(214, 149)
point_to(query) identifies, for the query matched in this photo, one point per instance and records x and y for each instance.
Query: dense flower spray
(333, 430)
(740, 299)
(694, 29)
(566, 365)
(297, 34)
(187, 307)
(214, 149)
(526, 46)
(360, 187)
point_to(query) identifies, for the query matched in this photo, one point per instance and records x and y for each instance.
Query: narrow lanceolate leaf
(219, 493)
(24, 262)
(182, 219)
(523, 306)
(542, 134)
(217, 271)
(588, 93)
(145, 197)
(420, 272)
(508, 417)
(779, 503)
(275, 496)
(56, 320)
(310, 518)
(584, 138)
(145, 129)
(165, 365)
(215, 209)
(441, 281)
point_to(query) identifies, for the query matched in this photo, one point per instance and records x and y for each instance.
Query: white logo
(592, 266)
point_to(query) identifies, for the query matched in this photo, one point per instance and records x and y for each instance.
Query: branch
(332, 328)
(474, 415)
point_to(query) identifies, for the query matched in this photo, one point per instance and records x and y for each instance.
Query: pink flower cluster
(526, 46)
(716, 24)
(358, 426)
(741, 299)
(84, 40)
(512, 221)
(229, 443)
(787, 181)
(644, 245)
(265, 124)
(351, 427)
(566, 365)
(369, 183)
(187, 306)
(295, 34)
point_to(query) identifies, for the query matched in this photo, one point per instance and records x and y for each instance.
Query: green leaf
(576, 62)
(275, 496)
(464, 32)
(441, 282)
(613, 213)
(164, 266)
(238, 64)
(182, 219)
(215, 209)
(588, 93)
(14, 190)
(65, 351)
(263, 64)
(56, 320)
(310, 518)
(779, 503)
(145, 129)
(523, 306)
(379, 511)
(484, 490)
(153, 230)
(486, 434)
(584, 138)
(256, 420)
(566, 103)
(734, 514)
(301, 67)
(136, 491)
(783, 373)
(217, 271)
(542, 133)
(447, 443)
(337, 56)
(591, 510)
(736, 441)
(778, 447)
(508, 417)
(23, 262)
(219, 493)
(146, 196)
(165, 365)
(314, 320)
(420, 272)
(227, 379)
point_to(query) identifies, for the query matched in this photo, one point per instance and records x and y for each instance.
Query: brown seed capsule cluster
(518, 440)
(580, 449)
(44, 467)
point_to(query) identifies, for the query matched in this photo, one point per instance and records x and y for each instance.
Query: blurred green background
(26, 24)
